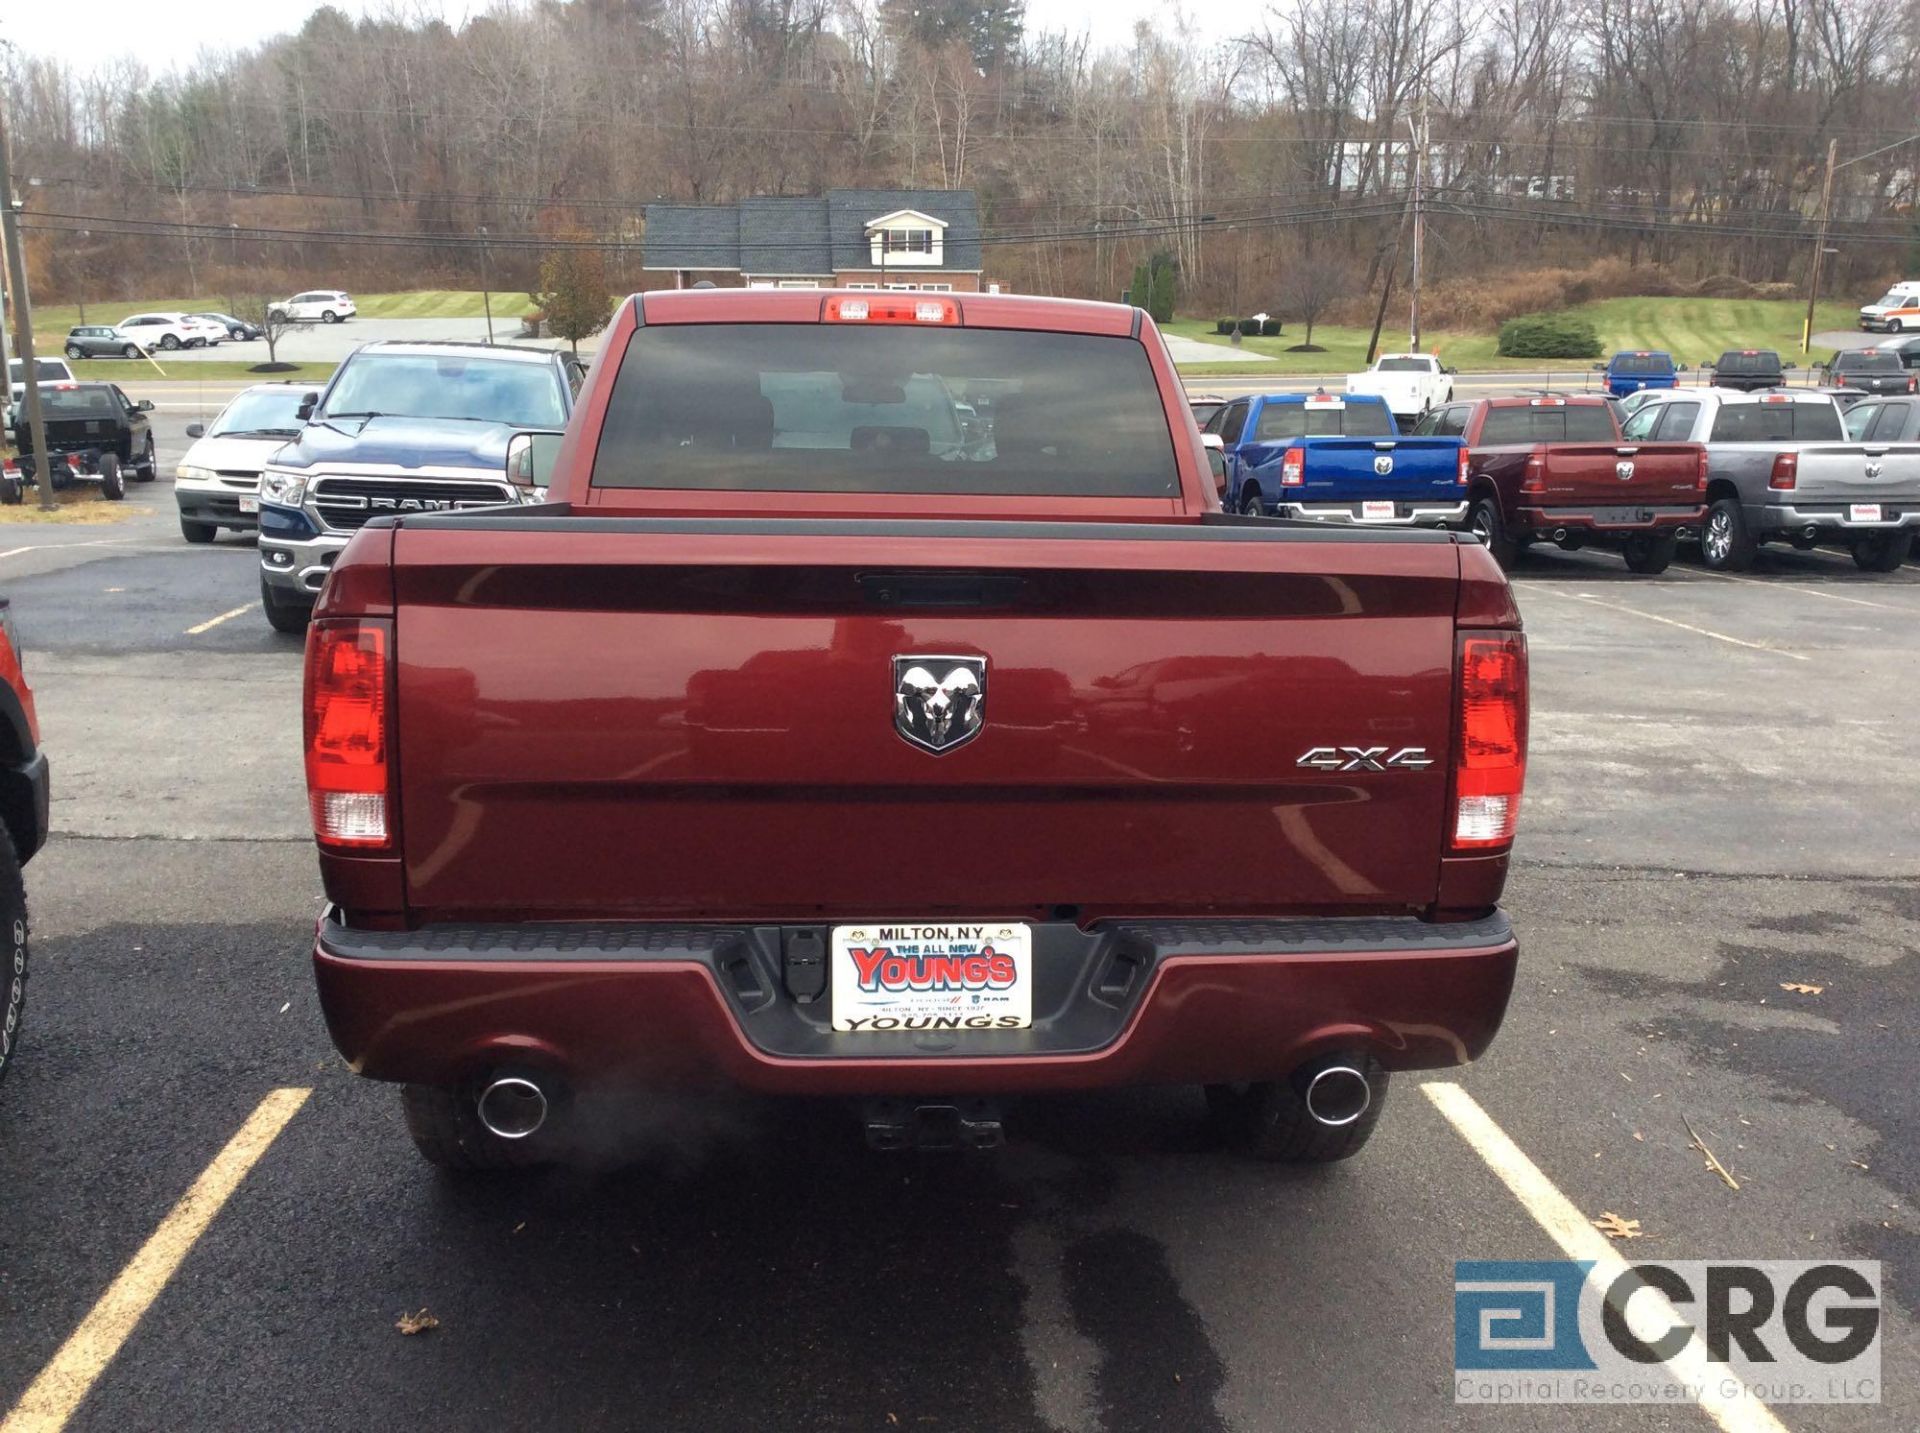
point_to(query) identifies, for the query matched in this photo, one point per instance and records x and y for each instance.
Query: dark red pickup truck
(1555, 469)
(810, 741)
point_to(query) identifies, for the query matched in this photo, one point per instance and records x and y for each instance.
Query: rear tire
(1268, 1121)
(113, 486)
(13, 952)
(12, 490)
(289, 617)
(447, 1131)
(1883, 551)
(198, 532)
(1725, 543)
(1650, 553)
(148, 468)
(1251, 504)
(329, 316)
(1485, 522)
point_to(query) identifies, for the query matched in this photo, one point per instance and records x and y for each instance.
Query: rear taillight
(1700, 466)
(1534, 479)
(1293, 467)
(1786, 471)
(348, 750)
(1465, 465)
(1490, 742)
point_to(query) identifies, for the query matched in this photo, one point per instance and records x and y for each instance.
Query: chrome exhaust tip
(1338, 1095)
(512, 1107)
(1559, 534)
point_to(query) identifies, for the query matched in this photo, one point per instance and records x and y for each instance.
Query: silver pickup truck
(1780, 468)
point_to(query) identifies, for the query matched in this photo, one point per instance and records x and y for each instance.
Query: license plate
(1622, 515)
(957, 975)
(249, 504)
(1863, 512)
(1376, 512)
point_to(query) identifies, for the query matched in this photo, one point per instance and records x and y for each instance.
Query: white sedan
(171, 331)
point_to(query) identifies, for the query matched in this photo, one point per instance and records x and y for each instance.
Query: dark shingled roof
(803, 237)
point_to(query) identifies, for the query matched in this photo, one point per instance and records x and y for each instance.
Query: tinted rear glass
(1585, 423)
(845, 408)
(79, 403)
(1297, 420)
(1775, 422)
(1403, 365)
(1657, 363)
(1868, 362)
(1749, 363)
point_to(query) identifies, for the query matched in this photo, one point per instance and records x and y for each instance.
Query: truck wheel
(13, 952)
(1725, 543)
(197, 532)
(1250, 503)
(289, 617)
(1650, 553)
(113, 486)
(12, 489)
(449, 1134)
(1883, 551)
(1269, 1120)
(1485, 522)
(148, 468)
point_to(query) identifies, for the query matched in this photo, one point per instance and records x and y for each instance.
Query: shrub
(1549, 335)
(1223, 325)
(1271, 328)
(1250, 327)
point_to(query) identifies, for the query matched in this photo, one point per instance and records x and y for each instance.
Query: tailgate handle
(1388, 447)
(942, 589)
(1626, 452)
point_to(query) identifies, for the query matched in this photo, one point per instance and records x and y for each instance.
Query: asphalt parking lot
(1723, 799)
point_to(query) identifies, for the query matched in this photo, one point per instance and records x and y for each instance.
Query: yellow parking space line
(212, 622)
(1722, 1397)
(1656, 617)
(52, 1397)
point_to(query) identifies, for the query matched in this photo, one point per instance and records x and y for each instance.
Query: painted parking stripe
(1795, 587)
(1722, 1397)
(52, 1397)
(1669, 621)
(213, 622)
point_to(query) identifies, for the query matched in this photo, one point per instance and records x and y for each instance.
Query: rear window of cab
(1642, 363)
(1775, 422)
(783, 407)
(1574, 423)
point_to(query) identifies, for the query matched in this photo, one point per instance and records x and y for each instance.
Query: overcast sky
(172, 32)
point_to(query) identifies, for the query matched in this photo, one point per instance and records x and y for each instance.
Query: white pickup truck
(1410, 382)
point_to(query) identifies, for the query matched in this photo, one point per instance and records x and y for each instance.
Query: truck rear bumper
(704, 1007)
(1834, 517)
(1405, 514)
(1601, 519)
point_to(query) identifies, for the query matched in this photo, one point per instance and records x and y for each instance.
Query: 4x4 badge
(1364, 758)
(939, 703)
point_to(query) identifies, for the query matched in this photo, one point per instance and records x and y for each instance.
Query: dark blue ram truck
(1337, 458)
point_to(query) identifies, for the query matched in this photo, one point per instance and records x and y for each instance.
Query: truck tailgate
(1662, 474)
(1870, 472)
(668, 717)
(1338, 469)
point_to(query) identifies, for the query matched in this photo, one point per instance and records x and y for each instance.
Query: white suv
(170, 331)
(326, 305)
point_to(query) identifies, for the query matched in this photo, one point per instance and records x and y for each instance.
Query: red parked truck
(796, 745)
(1555, 469)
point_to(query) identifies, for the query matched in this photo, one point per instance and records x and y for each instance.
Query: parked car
(1907, 348)
(165, 330)
(405, 428)
(1748, 370)
(1411, 383)
(1895, 311)
(1625, 408)
(237, 329)
(1628, 373)
(1780, 468)
(23, 828)
(218, 482)
(1845, 397)
(101, 340)
(45, 370)
(95, 434)
(1337, 458)
(316, 305)
(1556, 469)
(1884, 420)
(1251, 786)
(1872, 370)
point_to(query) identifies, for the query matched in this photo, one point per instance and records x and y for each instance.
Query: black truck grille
(348, 503)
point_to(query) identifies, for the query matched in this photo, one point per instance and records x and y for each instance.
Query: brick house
(925, 239)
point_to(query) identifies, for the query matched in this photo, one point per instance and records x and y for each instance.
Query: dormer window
(908, 238)
(907, 241)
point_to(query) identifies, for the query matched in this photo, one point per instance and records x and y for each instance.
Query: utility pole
(1419, 145)
(23, 315)
(1819, 248)
(486, 285)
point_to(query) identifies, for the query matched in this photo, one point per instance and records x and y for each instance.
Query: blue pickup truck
(1337, 458)
(1629, 372)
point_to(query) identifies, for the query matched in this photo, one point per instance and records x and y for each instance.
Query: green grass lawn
(122, 370)
(1690, 329)
(51, 321)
